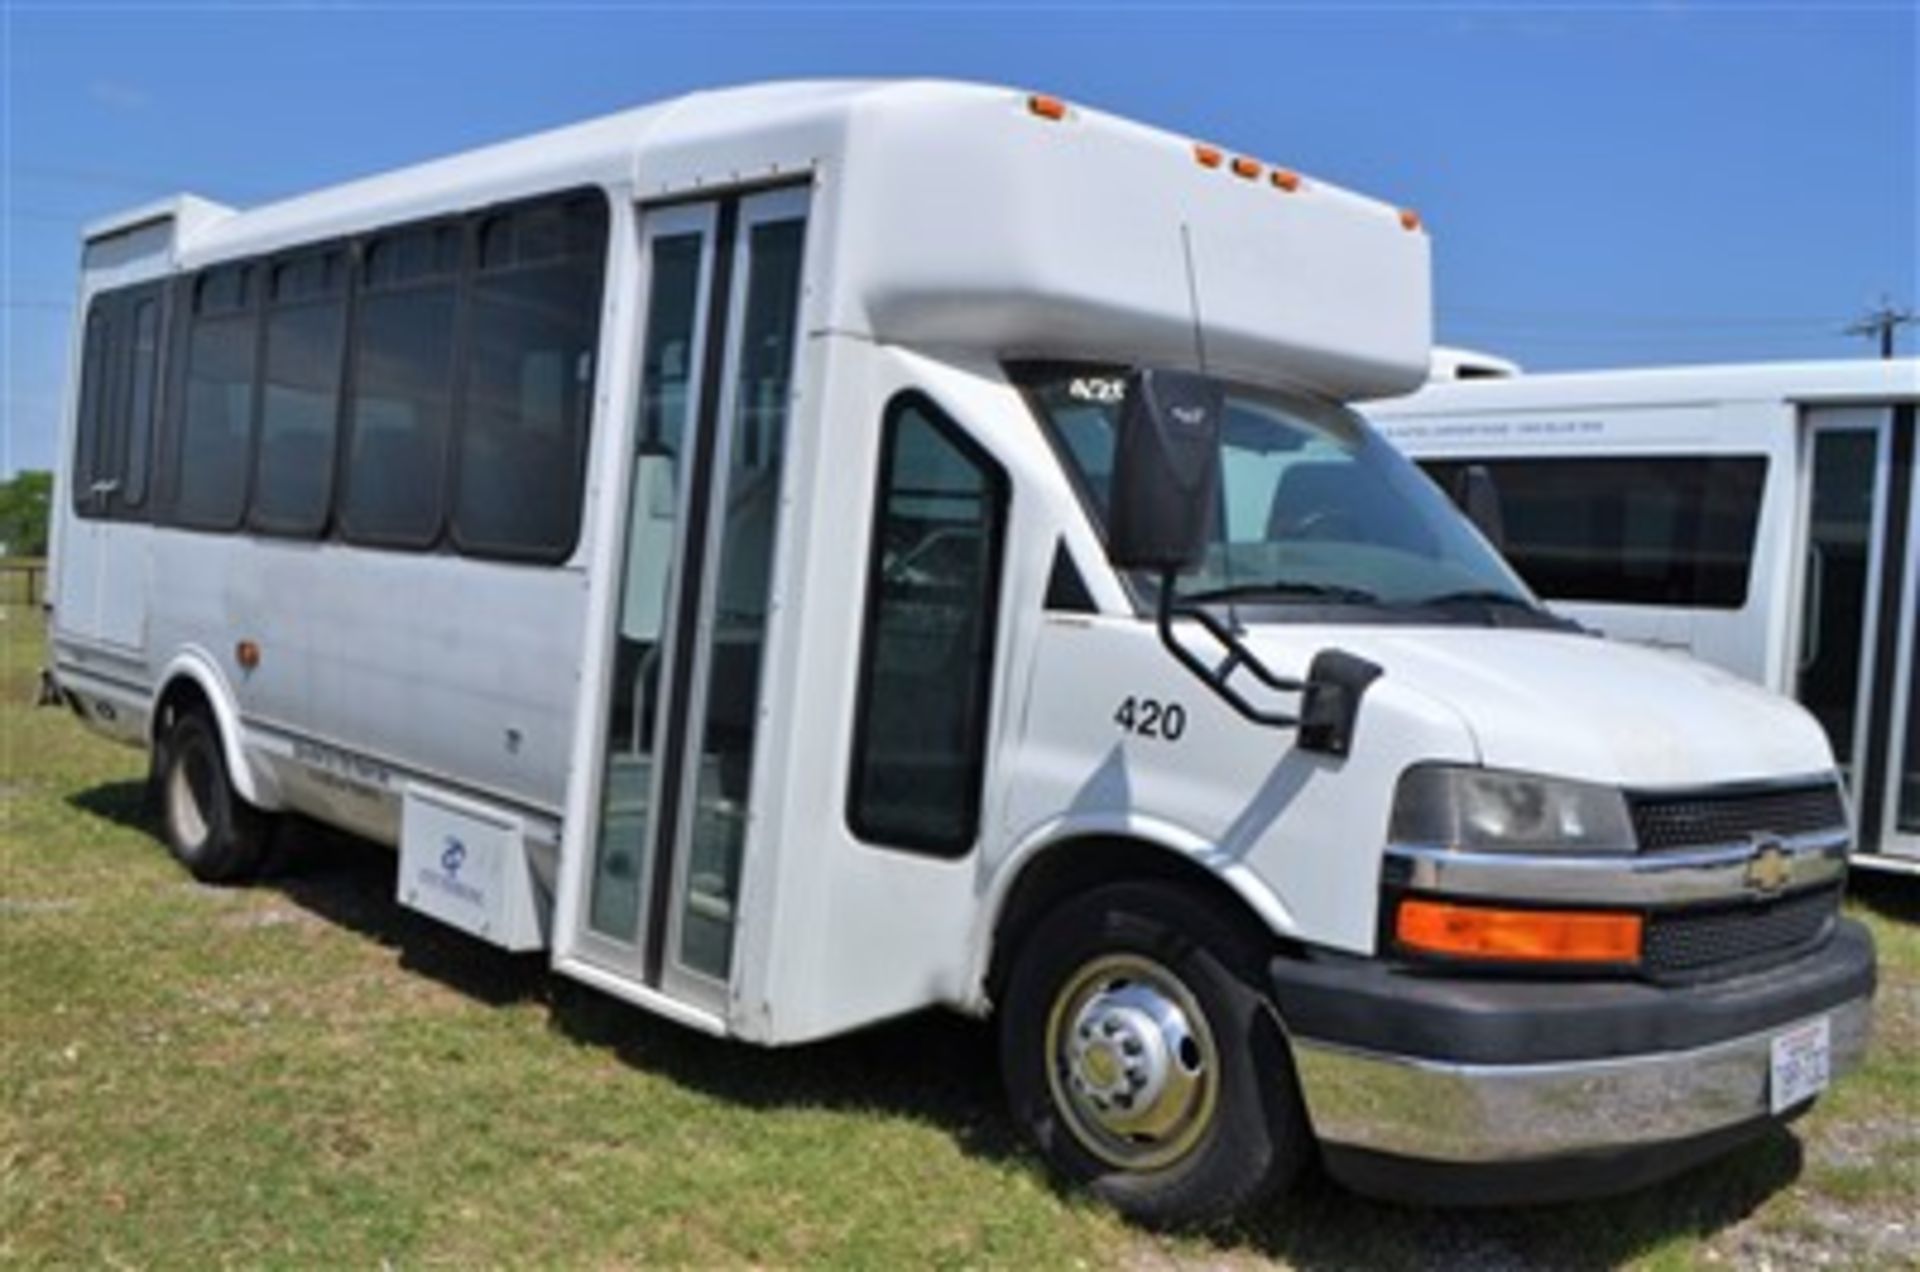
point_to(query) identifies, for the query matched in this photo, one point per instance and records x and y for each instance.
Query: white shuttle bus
(809, 553)
(1760, 517)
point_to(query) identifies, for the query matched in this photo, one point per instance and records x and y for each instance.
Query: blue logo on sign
(453, 856)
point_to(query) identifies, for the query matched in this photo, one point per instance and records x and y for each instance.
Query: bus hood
(1572, 705)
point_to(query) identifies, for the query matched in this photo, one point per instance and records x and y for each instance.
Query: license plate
(1800, 1068)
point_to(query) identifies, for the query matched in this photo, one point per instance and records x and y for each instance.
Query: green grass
(302, 1073)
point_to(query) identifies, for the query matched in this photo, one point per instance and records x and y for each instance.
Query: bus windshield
(1315, 509)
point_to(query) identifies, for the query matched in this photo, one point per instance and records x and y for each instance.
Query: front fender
(1141, 829)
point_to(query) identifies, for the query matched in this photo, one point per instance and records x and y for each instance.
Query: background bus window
(306, 331)
(535, 323)
(927, 663)
(402, 389)
(216, 430)
(1630, 531)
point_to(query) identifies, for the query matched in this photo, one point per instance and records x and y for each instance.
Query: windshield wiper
(1478, 596)
(1283, 590)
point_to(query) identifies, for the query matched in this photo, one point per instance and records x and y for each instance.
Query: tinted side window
(400, 402)
(926, 671)
(299, 404)
(216, 427)
(535, 323)
(92, 411)
(1637, 531)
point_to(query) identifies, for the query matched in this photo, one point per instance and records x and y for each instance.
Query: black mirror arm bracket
(1219, 677)
(1330, 695)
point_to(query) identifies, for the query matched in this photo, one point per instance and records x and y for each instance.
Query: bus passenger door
(657, 874)
(103, 576)
(1856, 670)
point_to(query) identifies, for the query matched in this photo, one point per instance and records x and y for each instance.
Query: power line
(1593, 317)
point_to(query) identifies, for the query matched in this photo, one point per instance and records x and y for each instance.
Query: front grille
(1696, 939)
(1663, 823)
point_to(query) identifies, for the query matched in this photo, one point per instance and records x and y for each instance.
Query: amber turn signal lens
(1207, 156)
(247, 654)
(1287, 179)
(1530, 936)
(1247, 168)
(1409, 219)
(1047, 107)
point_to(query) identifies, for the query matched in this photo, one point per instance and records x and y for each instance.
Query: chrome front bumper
(1485, 1113)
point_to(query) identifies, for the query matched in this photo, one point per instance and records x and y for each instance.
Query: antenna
(1193, 297)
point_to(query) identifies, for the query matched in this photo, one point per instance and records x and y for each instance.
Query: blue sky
(1605, 184)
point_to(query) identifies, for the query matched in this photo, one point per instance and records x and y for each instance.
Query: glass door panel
(745, 496)
(678, 251)
(1903, 777)
(1842, 564)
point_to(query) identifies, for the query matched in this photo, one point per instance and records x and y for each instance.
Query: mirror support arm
(1238, 655)
(1329, 696)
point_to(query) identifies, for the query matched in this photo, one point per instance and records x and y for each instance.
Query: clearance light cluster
(1286, 180)
(1518, 936)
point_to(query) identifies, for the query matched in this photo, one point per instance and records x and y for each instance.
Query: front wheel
(1144, 1059)
(210, 830)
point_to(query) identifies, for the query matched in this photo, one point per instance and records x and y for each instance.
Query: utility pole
(1880, 322)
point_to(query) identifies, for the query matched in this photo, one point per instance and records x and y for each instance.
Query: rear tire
(216, 835)
(1145, 1060)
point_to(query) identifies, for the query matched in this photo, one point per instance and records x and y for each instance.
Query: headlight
(1484, 810)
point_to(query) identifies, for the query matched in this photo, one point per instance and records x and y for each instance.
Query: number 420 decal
(1151, 718)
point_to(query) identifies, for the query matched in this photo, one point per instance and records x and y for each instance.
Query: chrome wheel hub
(1132, 1062)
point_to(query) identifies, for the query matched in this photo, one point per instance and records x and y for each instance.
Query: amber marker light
(1047, 107)
(1286, 179)
(1248, 168)
(1409, 219)
(1206, 156)
(247, 654)
(1518, 936)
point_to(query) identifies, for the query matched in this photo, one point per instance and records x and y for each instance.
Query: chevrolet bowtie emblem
(1769, 869)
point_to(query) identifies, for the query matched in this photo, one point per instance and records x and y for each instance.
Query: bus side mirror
(1166, 471)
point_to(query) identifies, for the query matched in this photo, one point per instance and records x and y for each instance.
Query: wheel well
(1070, 868)
(183, 694)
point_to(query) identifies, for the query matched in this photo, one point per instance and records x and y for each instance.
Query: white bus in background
(1759, 517)
(809, 553)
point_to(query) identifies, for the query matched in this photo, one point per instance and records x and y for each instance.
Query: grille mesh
(1663, 823)
(1691, 940)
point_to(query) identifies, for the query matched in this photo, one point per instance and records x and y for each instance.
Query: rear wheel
(1146, 1062)
(210, 830)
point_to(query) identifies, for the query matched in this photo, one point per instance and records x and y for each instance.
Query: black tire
(216, 835)
(1227, 1153)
